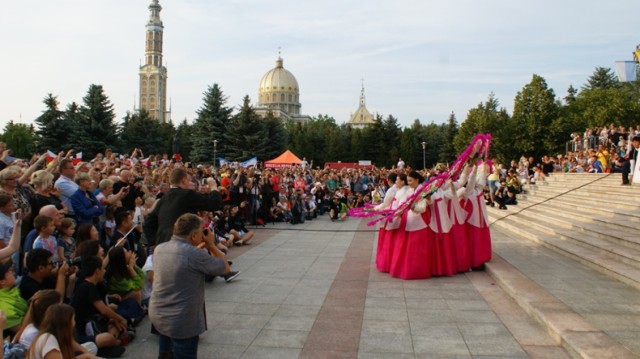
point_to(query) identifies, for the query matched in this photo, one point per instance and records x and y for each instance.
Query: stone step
(623, 232)
(589, 190)
(620, 201)
(577, 335)
(573, 204)
(600, 259)
(592, 240)
(605, 215)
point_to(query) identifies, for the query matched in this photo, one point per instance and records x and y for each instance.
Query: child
(45, 227)
(11, 303)
(109, 225)
(66, 242)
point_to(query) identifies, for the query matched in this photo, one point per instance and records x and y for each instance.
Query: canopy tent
(284, 160)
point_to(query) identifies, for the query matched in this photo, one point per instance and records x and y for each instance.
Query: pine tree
(53, 130)
(96, 130)
(181, 142)
(246, 136)
(450, 130)
(210, 125)
(603, 78)
(276, 135)
(139, 130)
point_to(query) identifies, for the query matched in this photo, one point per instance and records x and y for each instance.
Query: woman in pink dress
(458, 217)
(444, 250)
(413, 251)
(383, 252)
(478, 220)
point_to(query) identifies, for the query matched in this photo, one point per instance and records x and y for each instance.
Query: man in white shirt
(65, 183)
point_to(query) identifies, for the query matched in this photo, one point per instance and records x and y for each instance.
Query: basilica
(278, 92)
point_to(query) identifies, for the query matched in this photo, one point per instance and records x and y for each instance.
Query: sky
(419, 59)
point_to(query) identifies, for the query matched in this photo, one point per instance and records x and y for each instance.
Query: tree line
(541, 123)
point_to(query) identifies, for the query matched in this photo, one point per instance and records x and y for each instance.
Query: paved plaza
(312, 291)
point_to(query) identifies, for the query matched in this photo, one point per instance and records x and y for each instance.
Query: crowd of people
(82, 234)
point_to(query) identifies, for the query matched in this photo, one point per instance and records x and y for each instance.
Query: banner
(250, 162)
(627, 71)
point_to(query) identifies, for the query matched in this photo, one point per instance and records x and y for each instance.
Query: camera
(70, 262)
(138, 179)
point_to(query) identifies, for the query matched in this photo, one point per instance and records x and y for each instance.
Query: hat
(5, 267)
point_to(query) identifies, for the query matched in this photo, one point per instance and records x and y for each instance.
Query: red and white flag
(77, 158)
(50, 157)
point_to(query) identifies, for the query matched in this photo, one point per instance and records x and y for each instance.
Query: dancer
(444, 250)
(478, 219)
(382, 252)
(458, 217)
(413, 246)
(392, 228)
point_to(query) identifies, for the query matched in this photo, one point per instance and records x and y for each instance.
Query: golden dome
(279, 89)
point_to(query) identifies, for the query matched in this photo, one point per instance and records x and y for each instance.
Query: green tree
(96, 129)
(276, 135)
(534, 111)
(448, 152)
(20, 138)
(210, 125)
(602, 78)
(409, 144)
(181, 141)
(52, 131)
(489, 117)
(139, 130)
(246, 136)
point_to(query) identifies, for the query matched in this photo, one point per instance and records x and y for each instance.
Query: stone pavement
(312, 291)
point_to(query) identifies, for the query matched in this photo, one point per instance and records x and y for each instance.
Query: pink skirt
(462, 247)
(444, 259)
(412, 256)
(480, 239)
(383, 252)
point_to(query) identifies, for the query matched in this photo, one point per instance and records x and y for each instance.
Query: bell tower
(153, 75)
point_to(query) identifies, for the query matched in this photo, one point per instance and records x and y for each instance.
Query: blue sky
(419, 59)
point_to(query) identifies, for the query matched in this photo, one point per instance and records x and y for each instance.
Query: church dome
(279, 90)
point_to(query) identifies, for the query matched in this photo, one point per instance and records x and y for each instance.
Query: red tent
(284, 160)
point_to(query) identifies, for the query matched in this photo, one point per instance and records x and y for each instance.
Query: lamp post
(215, 150)
(424, 163)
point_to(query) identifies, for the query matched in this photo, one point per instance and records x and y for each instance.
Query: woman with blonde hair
(46, 194)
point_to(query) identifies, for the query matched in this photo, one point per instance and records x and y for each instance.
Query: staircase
(569, 254)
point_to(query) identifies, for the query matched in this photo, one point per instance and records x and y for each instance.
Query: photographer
(44, 273)
(132, 187)
(238, 190)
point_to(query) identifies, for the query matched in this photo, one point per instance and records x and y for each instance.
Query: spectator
(95, 320)
(237, 224)
(44, 194)
(176, 308)
(11, 303)
(124, 277)
(65, 184)
(55, 339)
(179, 200)
(45, 227)
(32, 322)
(85, 205)
(44, 274)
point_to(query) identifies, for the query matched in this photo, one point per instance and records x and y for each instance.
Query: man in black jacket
(180, 199)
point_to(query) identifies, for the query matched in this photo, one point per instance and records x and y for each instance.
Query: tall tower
(153, 75)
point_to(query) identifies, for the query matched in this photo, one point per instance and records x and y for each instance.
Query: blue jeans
(181, 348)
